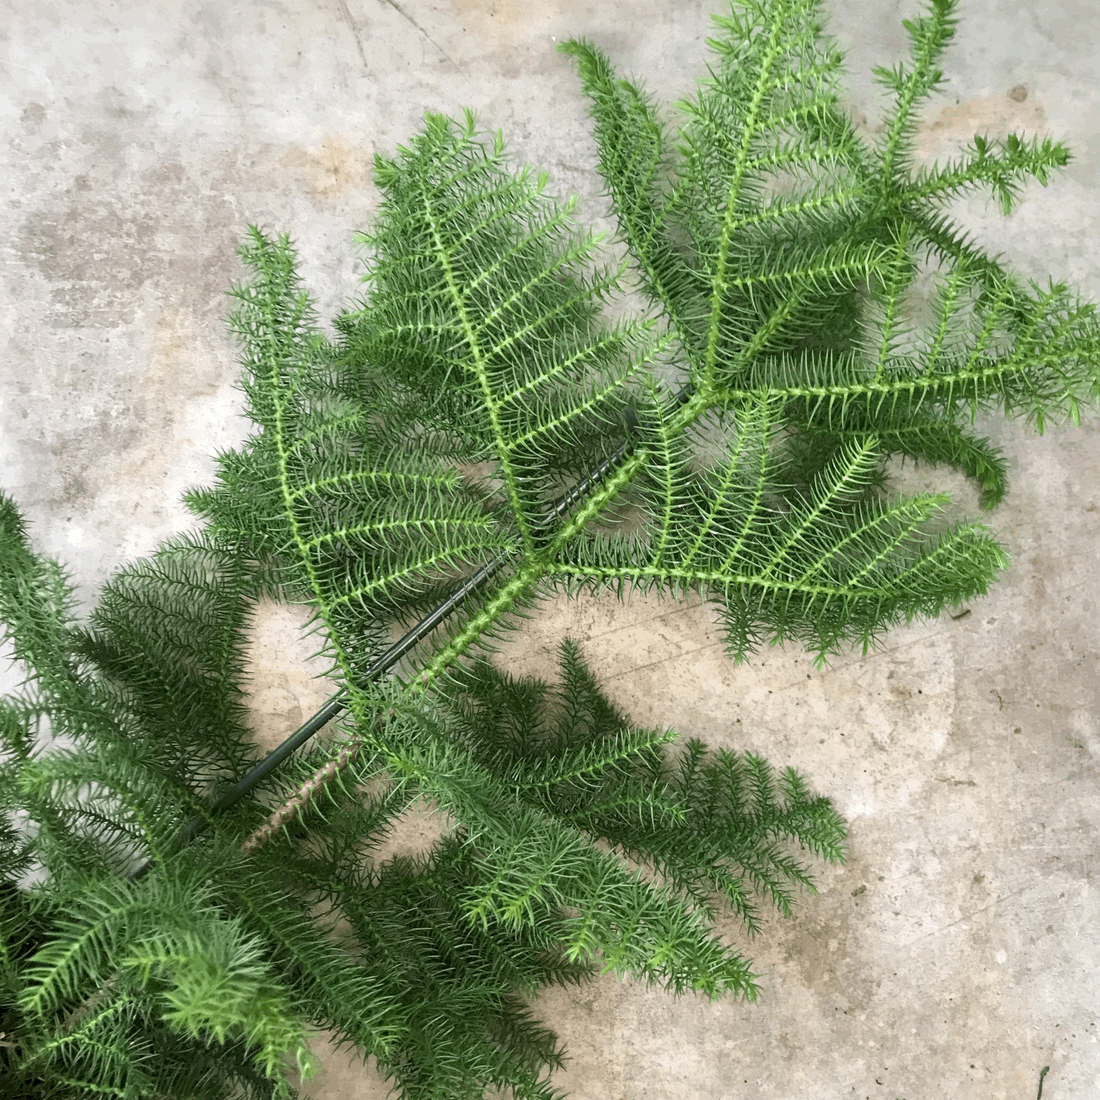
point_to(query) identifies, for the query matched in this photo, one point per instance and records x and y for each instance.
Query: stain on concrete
(993, 116)
(331, 169)
(33, 116)
(955, 124)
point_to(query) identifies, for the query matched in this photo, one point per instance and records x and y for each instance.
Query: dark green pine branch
(733, 440)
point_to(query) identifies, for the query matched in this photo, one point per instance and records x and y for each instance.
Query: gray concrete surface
(956, 953)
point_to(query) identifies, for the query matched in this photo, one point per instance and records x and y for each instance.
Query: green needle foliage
(476, 407)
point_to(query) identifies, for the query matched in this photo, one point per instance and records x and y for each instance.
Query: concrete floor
(956, 953)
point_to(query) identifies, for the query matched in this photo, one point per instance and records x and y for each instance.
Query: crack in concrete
(405, 15)
(355, 34)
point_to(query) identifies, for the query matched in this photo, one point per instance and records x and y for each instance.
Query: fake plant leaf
(368, 524)
(710, 822)
(482, 294)
(781, 255)
(784, 254)
(735, 438)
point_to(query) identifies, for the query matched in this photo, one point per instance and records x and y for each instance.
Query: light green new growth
(741, 429)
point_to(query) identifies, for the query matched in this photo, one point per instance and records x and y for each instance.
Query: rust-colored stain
(1014, 110)
(333, 169)
(994, 115)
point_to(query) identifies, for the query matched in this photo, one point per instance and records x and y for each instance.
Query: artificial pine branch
(733, 440)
